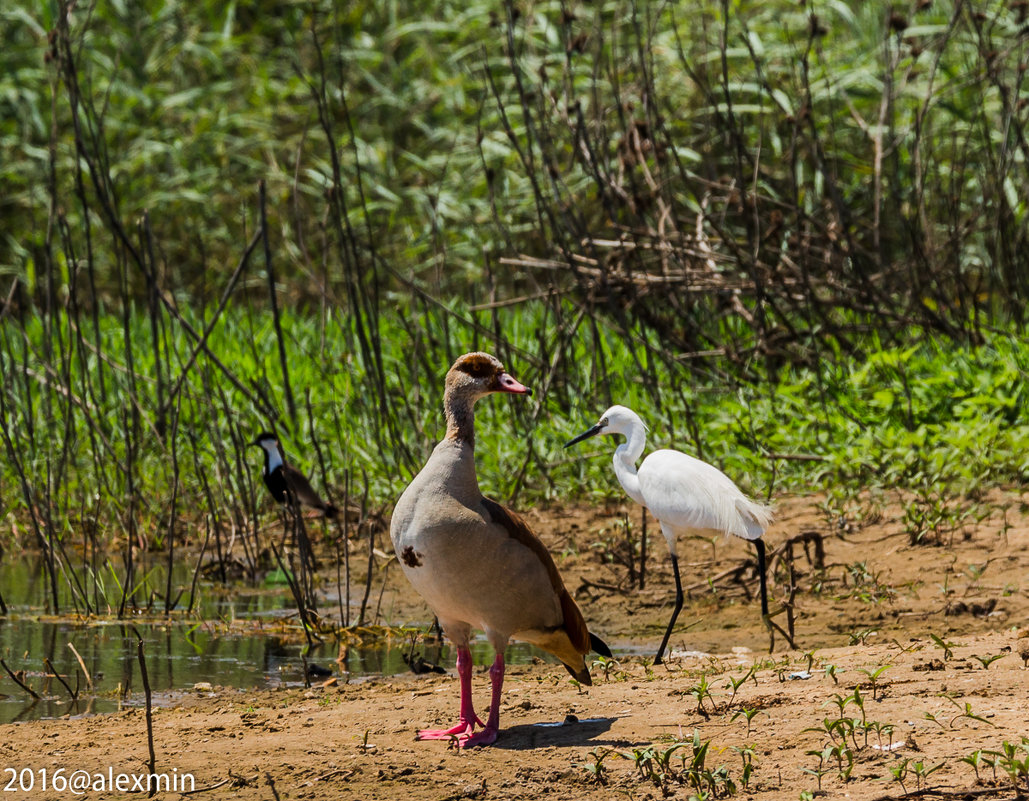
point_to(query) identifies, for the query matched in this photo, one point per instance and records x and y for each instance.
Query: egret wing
(686, 493)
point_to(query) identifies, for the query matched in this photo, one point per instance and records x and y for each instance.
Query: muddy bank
(864, 621)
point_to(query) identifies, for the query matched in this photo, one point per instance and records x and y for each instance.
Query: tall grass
(86, 469)
(731, 177)
(736, 218)
(932, 399)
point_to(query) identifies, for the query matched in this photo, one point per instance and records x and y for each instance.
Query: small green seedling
(605, 664)
(859, 637)
(1015, 764)
(975, 759)
(900, 772)
(749, 714)
(838, 728)
(700, 691)
(842, 752)
(859, 702)
(596, 769)
(736, 684)
(746, 753)
(644, 761)
(968, 714)
(923, 772)
(822, 769)
(986, 661)
(946, 646)
(880, 729)
(873, 677)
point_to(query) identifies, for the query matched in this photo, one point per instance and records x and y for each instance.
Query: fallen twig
(73, 693)
(152, 763)
(89, 679)
(18, 681)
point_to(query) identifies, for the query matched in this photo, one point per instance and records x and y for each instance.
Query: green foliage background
(778, 230)
(457, 132)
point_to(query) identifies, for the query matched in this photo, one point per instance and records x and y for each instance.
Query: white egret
(684, 494)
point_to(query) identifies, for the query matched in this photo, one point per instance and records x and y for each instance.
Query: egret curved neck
(626, 455)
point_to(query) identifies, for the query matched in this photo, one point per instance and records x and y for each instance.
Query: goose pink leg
(467, 719)
(488, 735)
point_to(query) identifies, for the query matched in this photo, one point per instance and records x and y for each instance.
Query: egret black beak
(598, 428)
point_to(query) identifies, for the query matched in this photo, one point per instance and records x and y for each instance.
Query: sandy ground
(864, 621)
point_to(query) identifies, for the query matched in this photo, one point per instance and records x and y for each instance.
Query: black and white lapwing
(283, 480)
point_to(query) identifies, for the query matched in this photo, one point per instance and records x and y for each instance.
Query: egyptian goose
(477, 564)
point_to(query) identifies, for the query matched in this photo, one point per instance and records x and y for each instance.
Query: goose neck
(459, 409)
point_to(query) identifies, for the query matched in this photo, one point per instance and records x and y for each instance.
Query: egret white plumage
(685, 494)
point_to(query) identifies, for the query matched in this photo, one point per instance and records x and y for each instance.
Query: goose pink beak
(508, 384)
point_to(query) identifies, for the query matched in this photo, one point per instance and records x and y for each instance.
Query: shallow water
(245, 646)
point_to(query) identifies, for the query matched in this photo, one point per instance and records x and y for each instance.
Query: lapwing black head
(284, 481)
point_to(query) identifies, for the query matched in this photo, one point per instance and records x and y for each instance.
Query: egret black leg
(675, 612)
(760, 545)
(766, 618)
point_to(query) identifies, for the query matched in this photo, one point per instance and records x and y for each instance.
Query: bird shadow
(560, 735)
